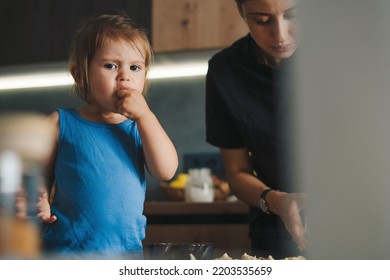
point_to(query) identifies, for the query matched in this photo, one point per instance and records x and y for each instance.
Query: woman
(242, 120)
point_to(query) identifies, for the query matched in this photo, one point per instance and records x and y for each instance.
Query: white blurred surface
(341, 115)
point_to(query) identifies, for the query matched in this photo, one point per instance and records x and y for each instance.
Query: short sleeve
(221, 130)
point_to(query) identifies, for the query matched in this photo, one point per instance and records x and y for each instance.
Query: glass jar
(199, 187)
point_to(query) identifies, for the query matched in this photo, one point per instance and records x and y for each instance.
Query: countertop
(221, 212)
(193, 208)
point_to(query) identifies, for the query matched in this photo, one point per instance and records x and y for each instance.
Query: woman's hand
(44, 211)
(247, 188)
(289, 206)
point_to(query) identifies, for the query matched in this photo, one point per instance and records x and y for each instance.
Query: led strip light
(63, 78)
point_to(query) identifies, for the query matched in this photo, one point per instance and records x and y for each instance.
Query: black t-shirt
(242, 111)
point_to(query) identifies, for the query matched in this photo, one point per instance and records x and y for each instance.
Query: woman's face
(272, 24)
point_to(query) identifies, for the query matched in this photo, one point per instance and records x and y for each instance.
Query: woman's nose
(280, 31)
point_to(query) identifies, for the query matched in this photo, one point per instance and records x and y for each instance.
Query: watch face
(263, 206)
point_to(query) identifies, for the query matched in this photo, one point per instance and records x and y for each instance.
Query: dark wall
(41, 30)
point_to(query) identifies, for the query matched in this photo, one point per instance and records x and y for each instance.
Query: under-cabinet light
(63, 78)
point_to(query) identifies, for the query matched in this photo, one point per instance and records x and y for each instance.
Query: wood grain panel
(195, 24)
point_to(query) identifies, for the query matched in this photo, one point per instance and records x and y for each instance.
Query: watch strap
(263, 203)
(264, 193)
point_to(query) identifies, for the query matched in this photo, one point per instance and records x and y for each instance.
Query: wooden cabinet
(195, 24)
(225, 224)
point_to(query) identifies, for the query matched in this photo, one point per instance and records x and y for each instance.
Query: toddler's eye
(135, 68)
(110, 66)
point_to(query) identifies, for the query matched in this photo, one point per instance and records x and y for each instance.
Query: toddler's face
(116, 65)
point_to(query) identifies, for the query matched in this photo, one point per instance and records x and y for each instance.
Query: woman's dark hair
(239, 3)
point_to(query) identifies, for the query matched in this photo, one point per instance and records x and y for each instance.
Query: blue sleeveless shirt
(99, 189)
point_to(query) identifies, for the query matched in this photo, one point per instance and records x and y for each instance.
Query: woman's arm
(239, 173)
(248, 188)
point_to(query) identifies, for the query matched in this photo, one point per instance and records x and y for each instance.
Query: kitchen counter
(163, 208)
(218, 212)
(225, 224)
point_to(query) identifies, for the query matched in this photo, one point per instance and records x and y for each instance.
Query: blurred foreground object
(25, 142)
(340, 135)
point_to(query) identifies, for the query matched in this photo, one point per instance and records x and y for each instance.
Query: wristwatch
(263, 205)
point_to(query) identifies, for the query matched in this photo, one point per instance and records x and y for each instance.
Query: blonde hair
(92, 34)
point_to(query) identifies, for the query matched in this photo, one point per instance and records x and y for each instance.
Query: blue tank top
(99, 189)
